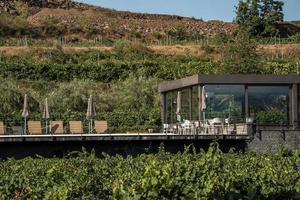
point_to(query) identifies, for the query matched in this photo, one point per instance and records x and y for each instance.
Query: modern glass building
(267, 99)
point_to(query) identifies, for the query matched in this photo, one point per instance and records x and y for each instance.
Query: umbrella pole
(205, 125)
(46, 127)
(25, 126)
(50, 131)
(91, 126)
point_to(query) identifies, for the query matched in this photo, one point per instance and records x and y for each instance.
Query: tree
(240, 55)
(271, 13)
(259, 16)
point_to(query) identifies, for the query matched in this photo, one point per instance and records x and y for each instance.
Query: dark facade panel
(229, 79)
(180, 83)
(249, 79)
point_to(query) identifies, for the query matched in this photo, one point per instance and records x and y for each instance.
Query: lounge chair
(75, 127)
(101, 126)
(35, 128)
(57, 127)
(2, 128)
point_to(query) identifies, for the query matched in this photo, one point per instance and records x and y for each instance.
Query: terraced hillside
(73, 19)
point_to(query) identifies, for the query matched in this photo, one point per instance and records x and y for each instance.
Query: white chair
(209, 126)
(217, 125)
(203, 127)
(227, 125)
(166, 128)
(187, 127)
(196, 127)
(175, 129)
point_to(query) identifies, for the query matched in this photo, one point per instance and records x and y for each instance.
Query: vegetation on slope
(188, 175)
(123, 81)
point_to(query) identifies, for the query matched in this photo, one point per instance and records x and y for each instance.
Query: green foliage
(123, 47)
(123, 82)
(13, 25)
(57, 65)
(260, 16)
(128, 105)
(240, 55)
(187, 175)
(180, 34)
(270, 116)
(50, 26)
(294, 38)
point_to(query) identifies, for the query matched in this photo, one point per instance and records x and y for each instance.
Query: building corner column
(294, 108)
(163, 99)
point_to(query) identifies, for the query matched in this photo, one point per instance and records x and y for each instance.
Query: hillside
(63, 17)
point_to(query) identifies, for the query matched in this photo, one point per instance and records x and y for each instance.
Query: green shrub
(123, 47)
(57, 65)
(294, 38)
(271, 116)
(127, 105)
(187, 175)
(240, 55)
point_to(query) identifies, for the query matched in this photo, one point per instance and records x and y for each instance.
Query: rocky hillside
(67, 17)
(10, 6)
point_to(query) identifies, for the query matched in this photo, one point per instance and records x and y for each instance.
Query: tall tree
(242, 13)
(255, 21)
(259, 16)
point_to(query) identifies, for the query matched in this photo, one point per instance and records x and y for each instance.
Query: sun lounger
(35, 128)
(2, 128)
(75, 127)
(101, 126)
(57, 127)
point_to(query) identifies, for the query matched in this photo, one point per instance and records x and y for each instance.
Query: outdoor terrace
(230, 104)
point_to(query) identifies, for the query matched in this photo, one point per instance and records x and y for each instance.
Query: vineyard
(123, 80)
(188, 175)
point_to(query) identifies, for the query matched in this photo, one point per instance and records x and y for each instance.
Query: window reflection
(225, 101)
(195, 103)
(171, 107)
(269, 104)
(185, 104)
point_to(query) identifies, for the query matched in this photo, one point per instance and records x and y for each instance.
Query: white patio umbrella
(91, 112)
(46, 115)
(178, 106)
(25, 113)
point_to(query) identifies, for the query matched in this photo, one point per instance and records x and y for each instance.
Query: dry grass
(179, 50)
(192, 50)
(12, 51)
(286, 49)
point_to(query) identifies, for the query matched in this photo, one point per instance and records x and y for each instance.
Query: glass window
(171, 107)
(185, 105)
(298, 106)
(269, 104)
(225, 101)
(195, 103)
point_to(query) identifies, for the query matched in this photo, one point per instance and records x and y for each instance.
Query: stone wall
(272, 140)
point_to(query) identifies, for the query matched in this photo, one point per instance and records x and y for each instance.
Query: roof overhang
(246, 79)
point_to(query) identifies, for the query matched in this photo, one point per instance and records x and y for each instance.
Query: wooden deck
(117, 137)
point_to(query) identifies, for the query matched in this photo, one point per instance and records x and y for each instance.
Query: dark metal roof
(229, 79)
